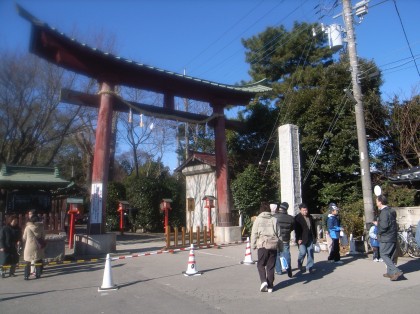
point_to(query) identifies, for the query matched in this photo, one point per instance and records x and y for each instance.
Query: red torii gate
(109, 71)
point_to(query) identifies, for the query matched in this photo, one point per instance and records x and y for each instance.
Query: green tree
(249, 189)
(116, 193)
(145, 192)
(308, 85)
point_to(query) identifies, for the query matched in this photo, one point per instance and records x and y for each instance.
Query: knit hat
(273, 207)
(332, 206)
(284, 206)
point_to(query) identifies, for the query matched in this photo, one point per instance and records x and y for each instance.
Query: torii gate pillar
(223, 196)
(101, 161)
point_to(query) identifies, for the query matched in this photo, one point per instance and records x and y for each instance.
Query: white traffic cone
(108, 282)
(192, 266)
(248, 256)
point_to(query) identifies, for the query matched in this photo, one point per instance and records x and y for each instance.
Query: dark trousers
(387, 252)
(335, 251)
(38, 269)
(265, 265)
(375, 250)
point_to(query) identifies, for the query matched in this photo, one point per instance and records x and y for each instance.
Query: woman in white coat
(33, 253)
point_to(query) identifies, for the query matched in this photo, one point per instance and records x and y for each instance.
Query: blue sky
(204, 36)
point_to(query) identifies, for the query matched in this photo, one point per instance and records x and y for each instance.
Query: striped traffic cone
(192, 266)
(108, 282)
(248, 256)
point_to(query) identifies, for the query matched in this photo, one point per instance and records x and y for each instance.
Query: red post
(208, 217)
(166, 218)
(121, 211)
(165, 206)
(72, 212)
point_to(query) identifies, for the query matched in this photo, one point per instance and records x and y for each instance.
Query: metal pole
(360, 119)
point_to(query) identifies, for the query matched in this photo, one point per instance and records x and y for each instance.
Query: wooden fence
(182, 239)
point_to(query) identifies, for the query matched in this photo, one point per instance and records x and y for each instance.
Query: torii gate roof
(54, 46)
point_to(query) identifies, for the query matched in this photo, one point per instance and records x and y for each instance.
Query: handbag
(284, 264)
(270, 242)
(40, 243)
(317, 248)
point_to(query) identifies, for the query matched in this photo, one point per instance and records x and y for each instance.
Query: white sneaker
(263, 287)
(376, 260)
(269, 290)
(339, 262)
(380, 260)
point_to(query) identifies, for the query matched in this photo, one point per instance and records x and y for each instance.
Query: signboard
(96, 204)
(190, 204)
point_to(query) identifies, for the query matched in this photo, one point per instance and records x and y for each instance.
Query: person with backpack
(266, 237)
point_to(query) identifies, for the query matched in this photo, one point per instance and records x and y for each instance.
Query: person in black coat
(287, 225)
(305, 237)
(10, 239)
(387, 236)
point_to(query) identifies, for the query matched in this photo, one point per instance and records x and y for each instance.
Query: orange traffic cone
(248, 256)
(192, 266)
(107, 282)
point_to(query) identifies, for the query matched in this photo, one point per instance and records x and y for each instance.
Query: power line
(406, 38)
(223, 34)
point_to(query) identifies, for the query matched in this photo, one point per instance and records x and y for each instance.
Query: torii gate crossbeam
(110, 71)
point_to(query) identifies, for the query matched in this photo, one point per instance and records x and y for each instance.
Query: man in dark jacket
(387, 236)
(287, 225)
(305, 237)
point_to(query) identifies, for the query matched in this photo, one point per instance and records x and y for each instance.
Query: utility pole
(360, 119)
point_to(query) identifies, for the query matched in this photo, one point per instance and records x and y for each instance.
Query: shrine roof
(409, 175)
(29, 177)
(54, 46)
(198, 158)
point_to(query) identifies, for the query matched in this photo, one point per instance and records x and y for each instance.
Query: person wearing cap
(325, 226)
(287, 225)
(305, 237)
(387, 235)
(334, 229)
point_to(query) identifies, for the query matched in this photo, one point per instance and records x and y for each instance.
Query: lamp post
(165, 206)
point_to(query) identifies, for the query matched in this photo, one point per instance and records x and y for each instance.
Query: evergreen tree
(308, 83)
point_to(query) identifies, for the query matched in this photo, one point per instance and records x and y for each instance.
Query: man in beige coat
(33, 253)
(265, 226)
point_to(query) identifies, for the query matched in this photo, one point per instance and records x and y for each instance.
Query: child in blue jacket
(374, 243)
(334, 229)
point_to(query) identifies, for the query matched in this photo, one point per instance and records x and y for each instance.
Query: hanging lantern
(141, 120)
(130, 116)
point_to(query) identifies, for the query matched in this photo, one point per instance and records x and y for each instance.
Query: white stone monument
(290, 178)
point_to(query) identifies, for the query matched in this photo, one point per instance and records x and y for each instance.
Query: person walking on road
(305, 238)
(387, 234)
(266, 236)
(287, 225)
(334, 229)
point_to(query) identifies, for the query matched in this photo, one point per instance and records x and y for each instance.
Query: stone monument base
(95, 244)
(227, 234)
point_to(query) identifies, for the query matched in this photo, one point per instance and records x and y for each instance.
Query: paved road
(155, 284)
